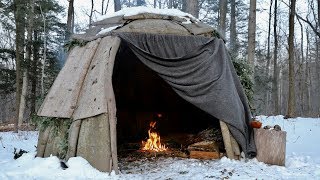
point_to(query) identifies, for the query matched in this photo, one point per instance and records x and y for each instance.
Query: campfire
(153, 143)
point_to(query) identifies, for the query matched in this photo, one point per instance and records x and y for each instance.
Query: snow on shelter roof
(147, 20)
(142, 9)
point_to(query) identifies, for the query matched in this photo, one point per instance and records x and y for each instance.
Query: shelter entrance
(143, 97)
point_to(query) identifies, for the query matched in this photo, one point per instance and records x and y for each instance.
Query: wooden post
(227, 140)
(235, 147)
(112, 102)
(271, 146)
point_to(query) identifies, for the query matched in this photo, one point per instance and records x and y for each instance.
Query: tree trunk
(291, 98)
(184, 6)
(28, 62)
(34, 73)
(44, 51)
(170, 4)
(22, 106)
(266, 97)
(192, 7)
(301, 84)
(70, 20)
(91, 14)
(19, 20)
(318, 60)
(141, 2)
(233, 30)
(252, 34)
(275, 81)
(117, 5)
(307, 74)
(223, 15)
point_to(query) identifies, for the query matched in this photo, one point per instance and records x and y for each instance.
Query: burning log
(153, 143)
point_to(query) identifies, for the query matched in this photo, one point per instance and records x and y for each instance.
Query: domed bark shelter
(145, 62)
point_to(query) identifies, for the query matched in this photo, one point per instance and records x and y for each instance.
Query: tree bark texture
(252, 34)
(223, 15)
(22, 106)
(233, 29)
(70, 19)
(192, 7)
(117, 5)
(291, 98)
(19, 14)
(267, 71)
(34, 73)
(275, 80)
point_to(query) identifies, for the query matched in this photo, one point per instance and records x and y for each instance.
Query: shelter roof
(147, 20)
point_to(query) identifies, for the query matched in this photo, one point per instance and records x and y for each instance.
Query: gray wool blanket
(199, 70)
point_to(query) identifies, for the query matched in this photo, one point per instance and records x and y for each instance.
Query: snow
(104, 31)
(302, 160)
(141, 9)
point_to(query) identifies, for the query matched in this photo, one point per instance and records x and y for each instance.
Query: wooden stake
(227, 139)
(115, 42)
(235, 147)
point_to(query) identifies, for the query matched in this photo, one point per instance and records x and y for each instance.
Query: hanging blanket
(199, 70)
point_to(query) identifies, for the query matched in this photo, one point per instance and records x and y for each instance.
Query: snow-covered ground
(302, 160)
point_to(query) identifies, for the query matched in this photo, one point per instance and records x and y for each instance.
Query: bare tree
(223, 14)
(307, 76)
(117, 5)
(44, 59)
(275, 81)
(192, 7)
(30, 16)
(70, 19)
(268, 58)
(91, 13)
(233, 29)
(19, 16)
(252, 33)
(291, 98)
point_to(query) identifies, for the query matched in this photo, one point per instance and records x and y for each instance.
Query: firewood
(204, 155)
(209, 146)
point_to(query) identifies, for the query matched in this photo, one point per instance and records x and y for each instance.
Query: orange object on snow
(255, 124)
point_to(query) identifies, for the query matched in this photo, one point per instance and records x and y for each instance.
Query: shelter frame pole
(111, 103)
(227, 140)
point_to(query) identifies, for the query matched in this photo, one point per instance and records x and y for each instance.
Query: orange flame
(153, 143)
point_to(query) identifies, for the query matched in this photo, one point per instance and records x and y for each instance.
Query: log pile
(204, 150)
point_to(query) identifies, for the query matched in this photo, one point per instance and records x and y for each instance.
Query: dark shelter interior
(142, 96)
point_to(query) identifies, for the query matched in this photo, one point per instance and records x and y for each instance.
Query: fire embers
(153, 143)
